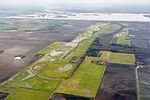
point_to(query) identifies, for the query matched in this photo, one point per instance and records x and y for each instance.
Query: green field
(56, 69)
(6, 89)
(34, 82)
(87, 78)
(104, 55)
(28, 94)
(122, 58)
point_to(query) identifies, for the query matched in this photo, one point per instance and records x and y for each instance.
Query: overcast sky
(59, 2)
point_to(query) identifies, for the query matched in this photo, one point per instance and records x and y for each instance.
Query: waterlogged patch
(65, 68)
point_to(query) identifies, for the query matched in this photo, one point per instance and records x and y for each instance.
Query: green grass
(81, 49)
(104, 55)
(52, 69)
(28, 94)
(85, 81)
(7, 89)
(34, 82)
(122, 58)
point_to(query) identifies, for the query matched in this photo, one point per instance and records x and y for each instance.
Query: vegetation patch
(28, 94)
(122, 58)
(6, 89)
(26, 80)
(87, 78)
(104, 55)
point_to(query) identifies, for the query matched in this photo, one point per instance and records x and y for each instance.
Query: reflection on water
(88, 16)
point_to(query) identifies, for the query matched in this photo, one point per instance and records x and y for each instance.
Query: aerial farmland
(88, 60)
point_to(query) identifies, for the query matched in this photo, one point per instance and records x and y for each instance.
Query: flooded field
(26, 42)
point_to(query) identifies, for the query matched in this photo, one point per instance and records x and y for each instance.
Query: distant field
(122, 58)
(27, 24)
(121, 38)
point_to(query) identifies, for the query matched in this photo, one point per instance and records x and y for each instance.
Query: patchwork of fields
(30, 36)
(89, 67)
(50, 70)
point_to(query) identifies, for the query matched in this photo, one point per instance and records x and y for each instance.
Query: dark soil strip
(3, 95)
(143, 74)
(144, 80)
(142, 53)
(121, 48)
(119, 83)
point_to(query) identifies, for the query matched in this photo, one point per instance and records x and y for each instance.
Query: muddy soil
(119, 83)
